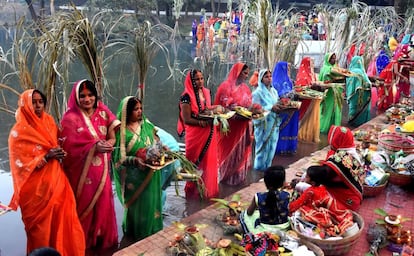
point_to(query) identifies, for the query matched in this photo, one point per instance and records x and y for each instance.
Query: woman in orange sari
(234, 147)
(88, 136)
(309, 112)
(41, 188)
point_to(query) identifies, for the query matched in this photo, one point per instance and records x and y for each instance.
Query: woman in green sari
(331, 105)
(358, 93)
(138, 187)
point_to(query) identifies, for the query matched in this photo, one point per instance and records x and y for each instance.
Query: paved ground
(394, 200)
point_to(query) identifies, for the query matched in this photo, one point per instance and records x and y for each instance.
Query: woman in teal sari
(331, 106)
(138, 187)
(358, 93)
(266, 130)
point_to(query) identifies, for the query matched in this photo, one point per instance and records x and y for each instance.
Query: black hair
(45, 251)
(91, 87)
(132, 102)
(245, 67)
(193, 72)
(317, 174)
(267, 71)
(274, 178)
(41, 95)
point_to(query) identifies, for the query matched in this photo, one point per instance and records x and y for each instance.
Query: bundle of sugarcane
(188, 171)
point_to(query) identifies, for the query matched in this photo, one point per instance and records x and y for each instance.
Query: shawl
(196, 107)
(281, 80)
(29, 141)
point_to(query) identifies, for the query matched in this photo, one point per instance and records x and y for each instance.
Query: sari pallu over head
(30, 140)
(281, 80)
(230, 94)
(196, 106)
(325, 72)
(305, 77)
(266, 131)
(358, 93)
(345, 161)
(80, 134)
(200, 142)
(128, 144)
(235, 146)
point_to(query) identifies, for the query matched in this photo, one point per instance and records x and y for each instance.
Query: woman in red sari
(200, 134)
(234, 147)
(345, 173)
(41, 188)
(88, 136)
(318, 206)
(396, 80)
(309, 112)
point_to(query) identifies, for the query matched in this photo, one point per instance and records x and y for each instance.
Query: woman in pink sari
(88, 136)
(200, 135)
(234, 147)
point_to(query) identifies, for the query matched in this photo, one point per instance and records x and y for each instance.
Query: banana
(243, 111)
(240, 249)
(238, 236)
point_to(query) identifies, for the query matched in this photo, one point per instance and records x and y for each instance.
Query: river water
(161, 107)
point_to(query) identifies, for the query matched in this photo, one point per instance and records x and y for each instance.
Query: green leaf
(219, 200)
(381, 212)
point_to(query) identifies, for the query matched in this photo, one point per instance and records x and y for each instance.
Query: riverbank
(394, 200)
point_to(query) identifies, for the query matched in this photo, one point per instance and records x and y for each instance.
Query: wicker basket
(393, 142)
(337, 247)
(399, 179)
(371, 191)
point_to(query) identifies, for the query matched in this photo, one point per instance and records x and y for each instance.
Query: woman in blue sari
(289, 127)
(266, 130)
(358, 93)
